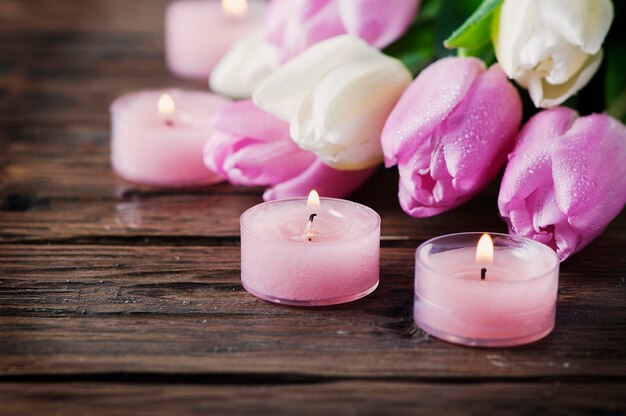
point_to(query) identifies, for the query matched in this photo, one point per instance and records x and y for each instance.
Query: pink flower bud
(566, 179)
(251, 147)
(450, 133)
(295, 25)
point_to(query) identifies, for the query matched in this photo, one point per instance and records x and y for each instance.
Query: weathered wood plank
(83, 16)
(71, 162)
(202, 215)
(66, 189)
(179, 216)
(29, 215)
(341, 397)
(117, 319)
(56, 91)
(66, 61)
(93, 309)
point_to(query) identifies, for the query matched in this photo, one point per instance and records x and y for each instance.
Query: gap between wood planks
(292, 378)
(178, 241)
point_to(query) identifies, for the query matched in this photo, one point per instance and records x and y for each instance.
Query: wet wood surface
(120, 299)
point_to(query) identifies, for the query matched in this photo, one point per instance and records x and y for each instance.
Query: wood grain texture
(66, 189)
(119, 299)
(90, 309)
(84, 17)
(340, 397)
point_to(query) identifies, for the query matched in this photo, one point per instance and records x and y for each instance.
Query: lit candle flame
(484, 250)
(166, 105)
(313, 201)
(237, 8)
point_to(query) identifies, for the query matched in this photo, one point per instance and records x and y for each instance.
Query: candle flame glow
(166, 105)
(237, 8)
(313, 201)
(484, 250)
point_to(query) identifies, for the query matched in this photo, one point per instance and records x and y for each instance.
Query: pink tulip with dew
(566, 179)
(450, 133)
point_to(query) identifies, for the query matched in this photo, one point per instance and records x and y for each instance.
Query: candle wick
(309, 225)
(483, 273)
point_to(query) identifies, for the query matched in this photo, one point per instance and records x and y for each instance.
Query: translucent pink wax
(163, 149)
(199, 32)
(339, 264)
(515, 304)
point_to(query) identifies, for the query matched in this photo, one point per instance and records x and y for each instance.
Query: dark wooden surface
(117, 299)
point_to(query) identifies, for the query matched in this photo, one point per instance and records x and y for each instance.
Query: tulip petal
(246, 161)
(377, 22)
(450, 142)
(422, 108)
(515, 23)
(551, 47)
(295, 25)
(336, 97)
(583, 23)
(565, 180)
(250, 147)
(341, 117)
(282, 92)
(246, 65)
(546, 95)
(243, 118)
(327, 181)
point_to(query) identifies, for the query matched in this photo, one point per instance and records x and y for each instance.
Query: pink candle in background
(157, 137)
(495, 293)
(308, 253)
(199, 32)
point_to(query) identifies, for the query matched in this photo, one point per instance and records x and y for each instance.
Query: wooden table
(119, 299)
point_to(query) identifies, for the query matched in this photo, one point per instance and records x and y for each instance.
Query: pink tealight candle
(157, 137)
(485, 292)
(310, 252)
(199, 32)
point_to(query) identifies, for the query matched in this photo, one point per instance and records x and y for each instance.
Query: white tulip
(246, 65)
(336, 96)
(551, 47)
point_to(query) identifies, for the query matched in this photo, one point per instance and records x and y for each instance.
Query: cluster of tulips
(321, 107)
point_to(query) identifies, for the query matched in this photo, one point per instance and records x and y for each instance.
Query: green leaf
(453, 14)
(486, 53)
(476, 31)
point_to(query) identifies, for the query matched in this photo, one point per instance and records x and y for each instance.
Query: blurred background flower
(295, 25)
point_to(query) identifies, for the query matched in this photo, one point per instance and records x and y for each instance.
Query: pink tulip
(251, 147)
(450, 133)
(294, 25)
(566, 179)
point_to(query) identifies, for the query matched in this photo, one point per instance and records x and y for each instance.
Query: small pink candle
(199, 32)
(494, 293)
(310, 252)
(157, 137)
